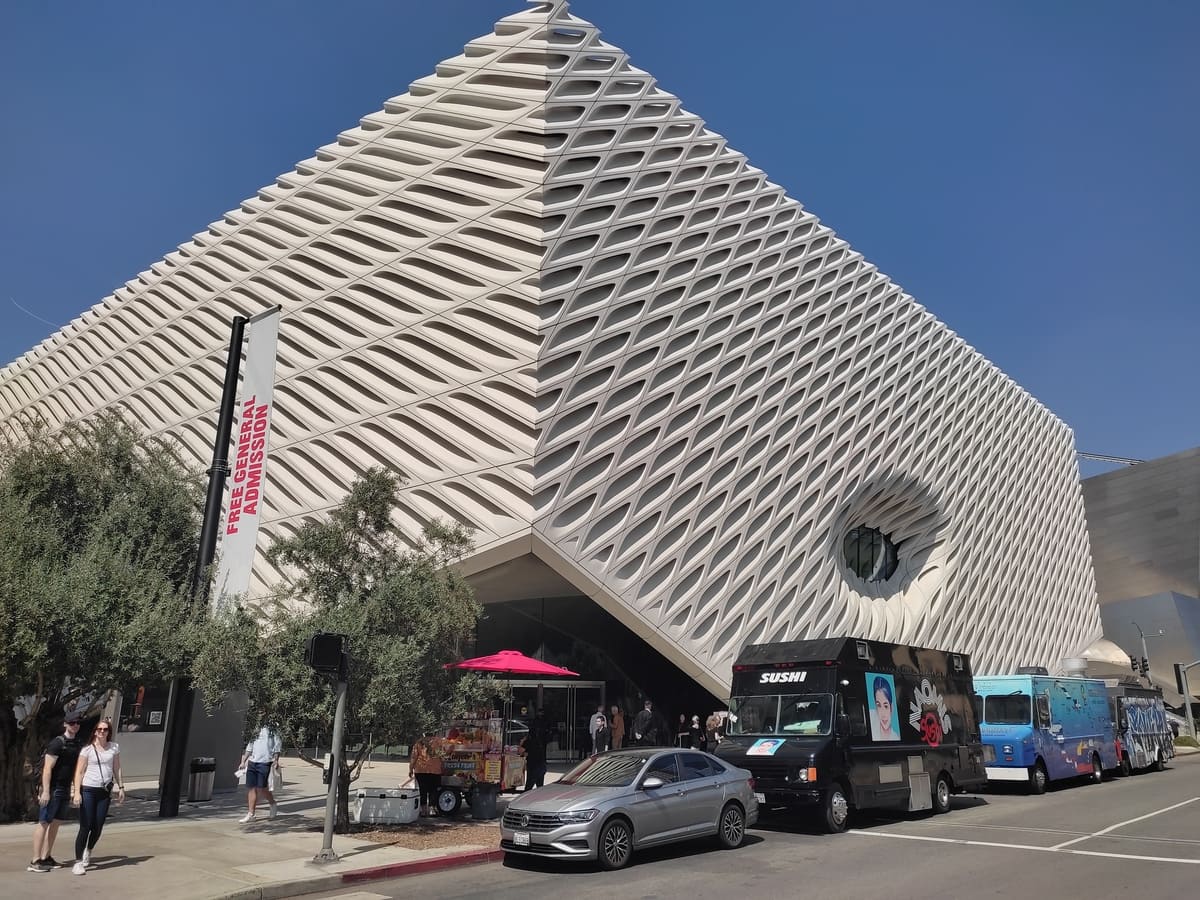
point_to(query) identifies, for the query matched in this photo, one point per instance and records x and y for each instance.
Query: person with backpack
(54, 792)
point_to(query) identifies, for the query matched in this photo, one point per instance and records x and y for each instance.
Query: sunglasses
(103, 728)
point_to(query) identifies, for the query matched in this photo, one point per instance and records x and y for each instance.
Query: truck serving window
(781, 714)
(1013, 709)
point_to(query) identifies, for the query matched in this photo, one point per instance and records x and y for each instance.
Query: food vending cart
(474, 752)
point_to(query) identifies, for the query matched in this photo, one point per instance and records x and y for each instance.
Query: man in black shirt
(534, 746)
(54, 793)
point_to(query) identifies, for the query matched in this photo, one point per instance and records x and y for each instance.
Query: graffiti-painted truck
(838, 724)
(1144, 737)
(1045, 728)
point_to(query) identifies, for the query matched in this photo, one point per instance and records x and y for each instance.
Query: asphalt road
(1137, 836)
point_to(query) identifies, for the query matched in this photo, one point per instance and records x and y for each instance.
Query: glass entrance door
(567, 707)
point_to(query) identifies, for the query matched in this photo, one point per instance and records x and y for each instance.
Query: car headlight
(577, 817)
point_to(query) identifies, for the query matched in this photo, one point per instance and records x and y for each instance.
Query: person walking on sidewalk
(97, 777)
(54, 793)
(533, 748)
(261, 756)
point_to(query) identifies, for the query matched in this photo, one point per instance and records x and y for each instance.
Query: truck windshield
(781, 714)
(1011, 709)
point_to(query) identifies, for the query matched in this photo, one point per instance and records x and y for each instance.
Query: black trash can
(483, 800)
(200, 780)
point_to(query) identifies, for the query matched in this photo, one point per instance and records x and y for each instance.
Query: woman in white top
(97, 777)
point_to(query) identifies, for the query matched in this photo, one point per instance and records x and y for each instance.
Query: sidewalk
(204, 854)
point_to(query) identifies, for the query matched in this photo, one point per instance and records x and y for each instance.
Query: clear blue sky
(1026, 170)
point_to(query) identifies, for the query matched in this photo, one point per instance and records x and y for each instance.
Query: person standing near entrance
(617, 724)
(649, 728)
(533, 747)
(54, 793)
(597, 721)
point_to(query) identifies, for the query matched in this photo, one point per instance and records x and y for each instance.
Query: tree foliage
(405, 610)
(98, 529)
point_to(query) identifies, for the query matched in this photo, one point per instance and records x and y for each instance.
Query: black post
(179, 717)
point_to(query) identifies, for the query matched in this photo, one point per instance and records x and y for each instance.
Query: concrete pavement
(204, 853)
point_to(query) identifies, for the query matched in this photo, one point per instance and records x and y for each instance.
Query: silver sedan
(617, 802)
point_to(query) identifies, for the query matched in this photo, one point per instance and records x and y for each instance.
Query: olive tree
(98, 529)
(404, 608)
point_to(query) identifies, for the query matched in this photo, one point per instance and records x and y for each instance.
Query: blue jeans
(93, 810)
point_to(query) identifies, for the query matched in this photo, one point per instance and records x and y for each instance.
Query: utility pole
(327, 654)
(179, 709)
(1181, 681)
(1145, 655)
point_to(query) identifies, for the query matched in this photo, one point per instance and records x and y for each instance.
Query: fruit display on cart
(473, 752)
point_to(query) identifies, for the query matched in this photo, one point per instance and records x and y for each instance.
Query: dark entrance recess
(577, 633)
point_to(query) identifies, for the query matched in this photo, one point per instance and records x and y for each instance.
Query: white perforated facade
(579, 322)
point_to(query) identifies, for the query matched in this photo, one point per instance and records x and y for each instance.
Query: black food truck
(841, 723)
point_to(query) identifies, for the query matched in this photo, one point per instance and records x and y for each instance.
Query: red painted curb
(417, 866)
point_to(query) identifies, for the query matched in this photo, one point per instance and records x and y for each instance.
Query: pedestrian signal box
(324, 651)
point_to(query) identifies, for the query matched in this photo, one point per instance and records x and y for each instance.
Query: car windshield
(1011, 709)
(781, 714)
(608, 770)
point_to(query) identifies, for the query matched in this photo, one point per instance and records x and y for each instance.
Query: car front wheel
(616, 844)
(731, 828)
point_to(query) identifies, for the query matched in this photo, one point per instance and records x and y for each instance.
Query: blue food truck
(1045, 728)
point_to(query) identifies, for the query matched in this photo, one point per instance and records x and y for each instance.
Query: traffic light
(324, 652)
(1179, 681)
(1133, 664)
(1145, 666)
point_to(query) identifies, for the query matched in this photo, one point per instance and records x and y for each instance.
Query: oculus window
(870, 554)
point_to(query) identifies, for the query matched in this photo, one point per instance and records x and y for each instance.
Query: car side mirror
(652, 782)
(843, 726)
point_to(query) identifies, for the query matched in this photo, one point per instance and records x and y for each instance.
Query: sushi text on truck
(839, 724)
(1044, 728)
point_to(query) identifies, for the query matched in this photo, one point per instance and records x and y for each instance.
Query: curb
(282, 889)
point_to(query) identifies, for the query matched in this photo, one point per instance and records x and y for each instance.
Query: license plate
(761, 798)
(521, 838)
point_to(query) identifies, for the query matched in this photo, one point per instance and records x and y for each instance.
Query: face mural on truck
(881, 700)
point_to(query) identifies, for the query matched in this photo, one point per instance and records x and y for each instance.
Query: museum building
(677, 412)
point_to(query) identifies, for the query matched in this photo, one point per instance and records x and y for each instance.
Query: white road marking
(940, 840)
(1123, 824)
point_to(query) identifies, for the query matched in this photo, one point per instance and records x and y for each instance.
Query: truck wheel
(1038, 779)
(836, 810)
(1097, 769)
(448, 801)
(941, 794)
(1160, 761)
(1126, 768)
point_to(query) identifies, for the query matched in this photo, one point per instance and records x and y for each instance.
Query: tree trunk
(19, 752)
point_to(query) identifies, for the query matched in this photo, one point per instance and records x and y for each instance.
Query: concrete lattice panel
(581, 324)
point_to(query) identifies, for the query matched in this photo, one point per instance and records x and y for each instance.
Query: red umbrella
(510, 662)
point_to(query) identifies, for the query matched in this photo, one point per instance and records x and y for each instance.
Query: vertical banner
(248, 468)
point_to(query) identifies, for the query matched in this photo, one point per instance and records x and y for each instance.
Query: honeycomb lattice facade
(580, 323)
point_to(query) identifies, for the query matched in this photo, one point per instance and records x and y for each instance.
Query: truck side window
(1042, 711)
(856, 710)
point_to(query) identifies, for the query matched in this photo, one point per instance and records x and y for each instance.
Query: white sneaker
(247, 818)
(79, 868)
(87, 859)
(274, 810)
